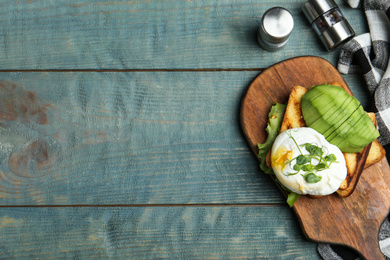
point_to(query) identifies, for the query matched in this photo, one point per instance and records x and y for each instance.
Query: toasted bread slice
(293, 118)
(355, 163)
(375, 154)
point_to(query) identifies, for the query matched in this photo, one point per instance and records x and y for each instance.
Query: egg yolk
(281, 157)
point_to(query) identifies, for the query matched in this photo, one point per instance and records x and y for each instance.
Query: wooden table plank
(127, 138)
(149, 34)
(124, 103)
(152, 233)
(97, 138)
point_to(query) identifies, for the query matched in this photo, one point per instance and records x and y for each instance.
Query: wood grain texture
(126, 138)
(122, 137)
(152, 233)
(81, 34)
(100, 133)
(353, 221)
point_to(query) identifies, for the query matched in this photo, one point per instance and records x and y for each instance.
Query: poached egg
(315, 178)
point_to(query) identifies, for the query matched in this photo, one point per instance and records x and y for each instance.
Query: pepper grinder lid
(276, 26)
(314, 8)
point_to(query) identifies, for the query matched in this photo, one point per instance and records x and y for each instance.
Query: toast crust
(373, 153)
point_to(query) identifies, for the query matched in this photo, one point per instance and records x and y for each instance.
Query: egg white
(284, 149)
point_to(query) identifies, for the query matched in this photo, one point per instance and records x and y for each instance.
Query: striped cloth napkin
(368, 54)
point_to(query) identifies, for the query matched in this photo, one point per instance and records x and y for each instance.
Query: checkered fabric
(368, 54)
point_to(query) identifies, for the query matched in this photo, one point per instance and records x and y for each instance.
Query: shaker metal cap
(276, 26)
(314, 8)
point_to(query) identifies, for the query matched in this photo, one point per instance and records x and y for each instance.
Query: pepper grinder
(276, 26)
(328, 23)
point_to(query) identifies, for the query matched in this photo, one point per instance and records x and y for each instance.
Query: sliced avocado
(312, 95)
(338, 135)
(363, 134)
(334, 117)
(327, 99)
(358, 135)
(339, 117)
(327, 104)
(369, 129)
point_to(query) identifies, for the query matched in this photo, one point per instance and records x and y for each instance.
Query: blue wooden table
(120, 135)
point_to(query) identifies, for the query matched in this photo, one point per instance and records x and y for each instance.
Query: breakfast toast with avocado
(371, 154)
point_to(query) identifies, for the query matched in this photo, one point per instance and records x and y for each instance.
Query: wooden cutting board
(353, 221)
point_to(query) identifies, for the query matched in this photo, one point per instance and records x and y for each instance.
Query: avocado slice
(326, 103)
(351, 124)
(364, 133)
(339, 117)
(336, 116)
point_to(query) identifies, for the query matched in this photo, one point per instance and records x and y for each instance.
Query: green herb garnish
(303, 162)
(311, 177)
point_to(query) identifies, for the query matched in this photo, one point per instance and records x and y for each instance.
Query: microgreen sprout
(303, 162)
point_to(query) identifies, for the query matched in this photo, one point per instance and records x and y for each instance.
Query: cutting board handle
(374, 254)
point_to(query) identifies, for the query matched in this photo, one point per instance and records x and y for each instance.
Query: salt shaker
(328, 23)
(276, 26)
